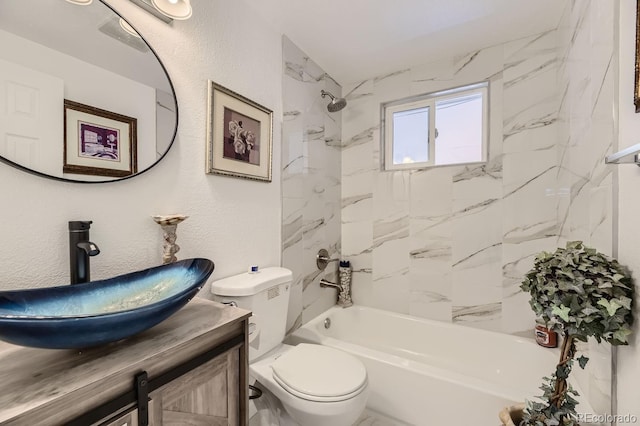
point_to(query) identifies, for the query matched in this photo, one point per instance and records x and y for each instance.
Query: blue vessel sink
(98, 312)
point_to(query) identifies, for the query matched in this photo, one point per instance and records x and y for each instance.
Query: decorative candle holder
(169, 224)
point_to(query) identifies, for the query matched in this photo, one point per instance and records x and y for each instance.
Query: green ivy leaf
(583, 361)
(590, 310)
(621, 335)
(561, 311)
(625, 302)
(568, 273)
(617, 277)
(574, 244)
(611, 307)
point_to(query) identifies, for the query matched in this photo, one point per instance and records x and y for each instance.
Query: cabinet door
(208, 395)
(128, 419)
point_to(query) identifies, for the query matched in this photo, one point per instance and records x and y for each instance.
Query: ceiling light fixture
(128, 28)
(175, 9)
(81, 2)
(166, 10)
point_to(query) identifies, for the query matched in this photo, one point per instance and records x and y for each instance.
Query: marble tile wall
(311, 193)
(585, 211)
(453, 243)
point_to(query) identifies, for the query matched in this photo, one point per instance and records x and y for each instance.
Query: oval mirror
(83, 97)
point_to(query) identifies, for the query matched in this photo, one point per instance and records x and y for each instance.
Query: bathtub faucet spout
(327, 283)
(344, 291)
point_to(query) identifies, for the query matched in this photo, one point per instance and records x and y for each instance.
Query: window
(436, 129)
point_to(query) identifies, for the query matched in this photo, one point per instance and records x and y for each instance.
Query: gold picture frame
(636, 95)
(239, 136)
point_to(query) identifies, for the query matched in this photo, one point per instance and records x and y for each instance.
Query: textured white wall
(234, 222)
(628, 204)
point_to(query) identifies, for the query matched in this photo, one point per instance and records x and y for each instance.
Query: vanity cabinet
(128, 419)
(189, 370)
(208, 395)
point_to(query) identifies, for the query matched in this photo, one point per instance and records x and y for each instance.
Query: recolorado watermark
(620, 419)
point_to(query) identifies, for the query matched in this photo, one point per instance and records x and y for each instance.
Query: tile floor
(265, 412)
(372, 418)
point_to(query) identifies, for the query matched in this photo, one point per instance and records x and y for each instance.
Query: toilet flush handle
(253, 331)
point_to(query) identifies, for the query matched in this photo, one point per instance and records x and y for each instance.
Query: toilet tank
(266, 294)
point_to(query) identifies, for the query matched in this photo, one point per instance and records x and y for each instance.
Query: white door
(31, 118)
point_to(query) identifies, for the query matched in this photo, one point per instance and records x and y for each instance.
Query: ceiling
(353, 40)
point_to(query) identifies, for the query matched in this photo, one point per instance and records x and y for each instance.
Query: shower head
(336, 104)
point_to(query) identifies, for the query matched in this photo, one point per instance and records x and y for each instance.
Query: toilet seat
(319, 373)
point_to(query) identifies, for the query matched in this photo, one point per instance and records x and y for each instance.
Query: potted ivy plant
(578, 293)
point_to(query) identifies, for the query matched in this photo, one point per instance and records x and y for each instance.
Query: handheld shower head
(336, 104)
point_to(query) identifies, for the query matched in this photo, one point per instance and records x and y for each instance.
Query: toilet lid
(319, 373)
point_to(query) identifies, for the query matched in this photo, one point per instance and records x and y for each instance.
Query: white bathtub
(430, 373)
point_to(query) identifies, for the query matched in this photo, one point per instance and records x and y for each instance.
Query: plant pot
(511, 416)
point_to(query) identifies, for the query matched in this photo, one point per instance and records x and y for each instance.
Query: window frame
(429, 100)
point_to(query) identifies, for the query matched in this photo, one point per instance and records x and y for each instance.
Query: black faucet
(80, 248)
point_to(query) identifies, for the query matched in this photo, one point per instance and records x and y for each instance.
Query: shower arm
(323, 94)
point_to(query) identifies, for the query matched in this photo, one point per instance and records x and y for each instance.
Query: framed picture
(98, 142)
(636, 95)
(239, 136)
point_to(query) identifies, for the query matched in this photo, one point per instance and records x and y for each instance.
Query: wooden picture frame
(98, 142)
(636, 95)
(239, 136)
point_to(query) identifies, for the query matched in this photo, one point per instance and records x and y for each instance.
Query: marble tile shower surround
(453, 243)
(311, 193)
(587, 78)
(431, 243)
(482, 221)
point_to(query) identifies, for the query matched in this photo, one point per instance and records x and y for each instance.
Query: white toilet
(317, 385)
